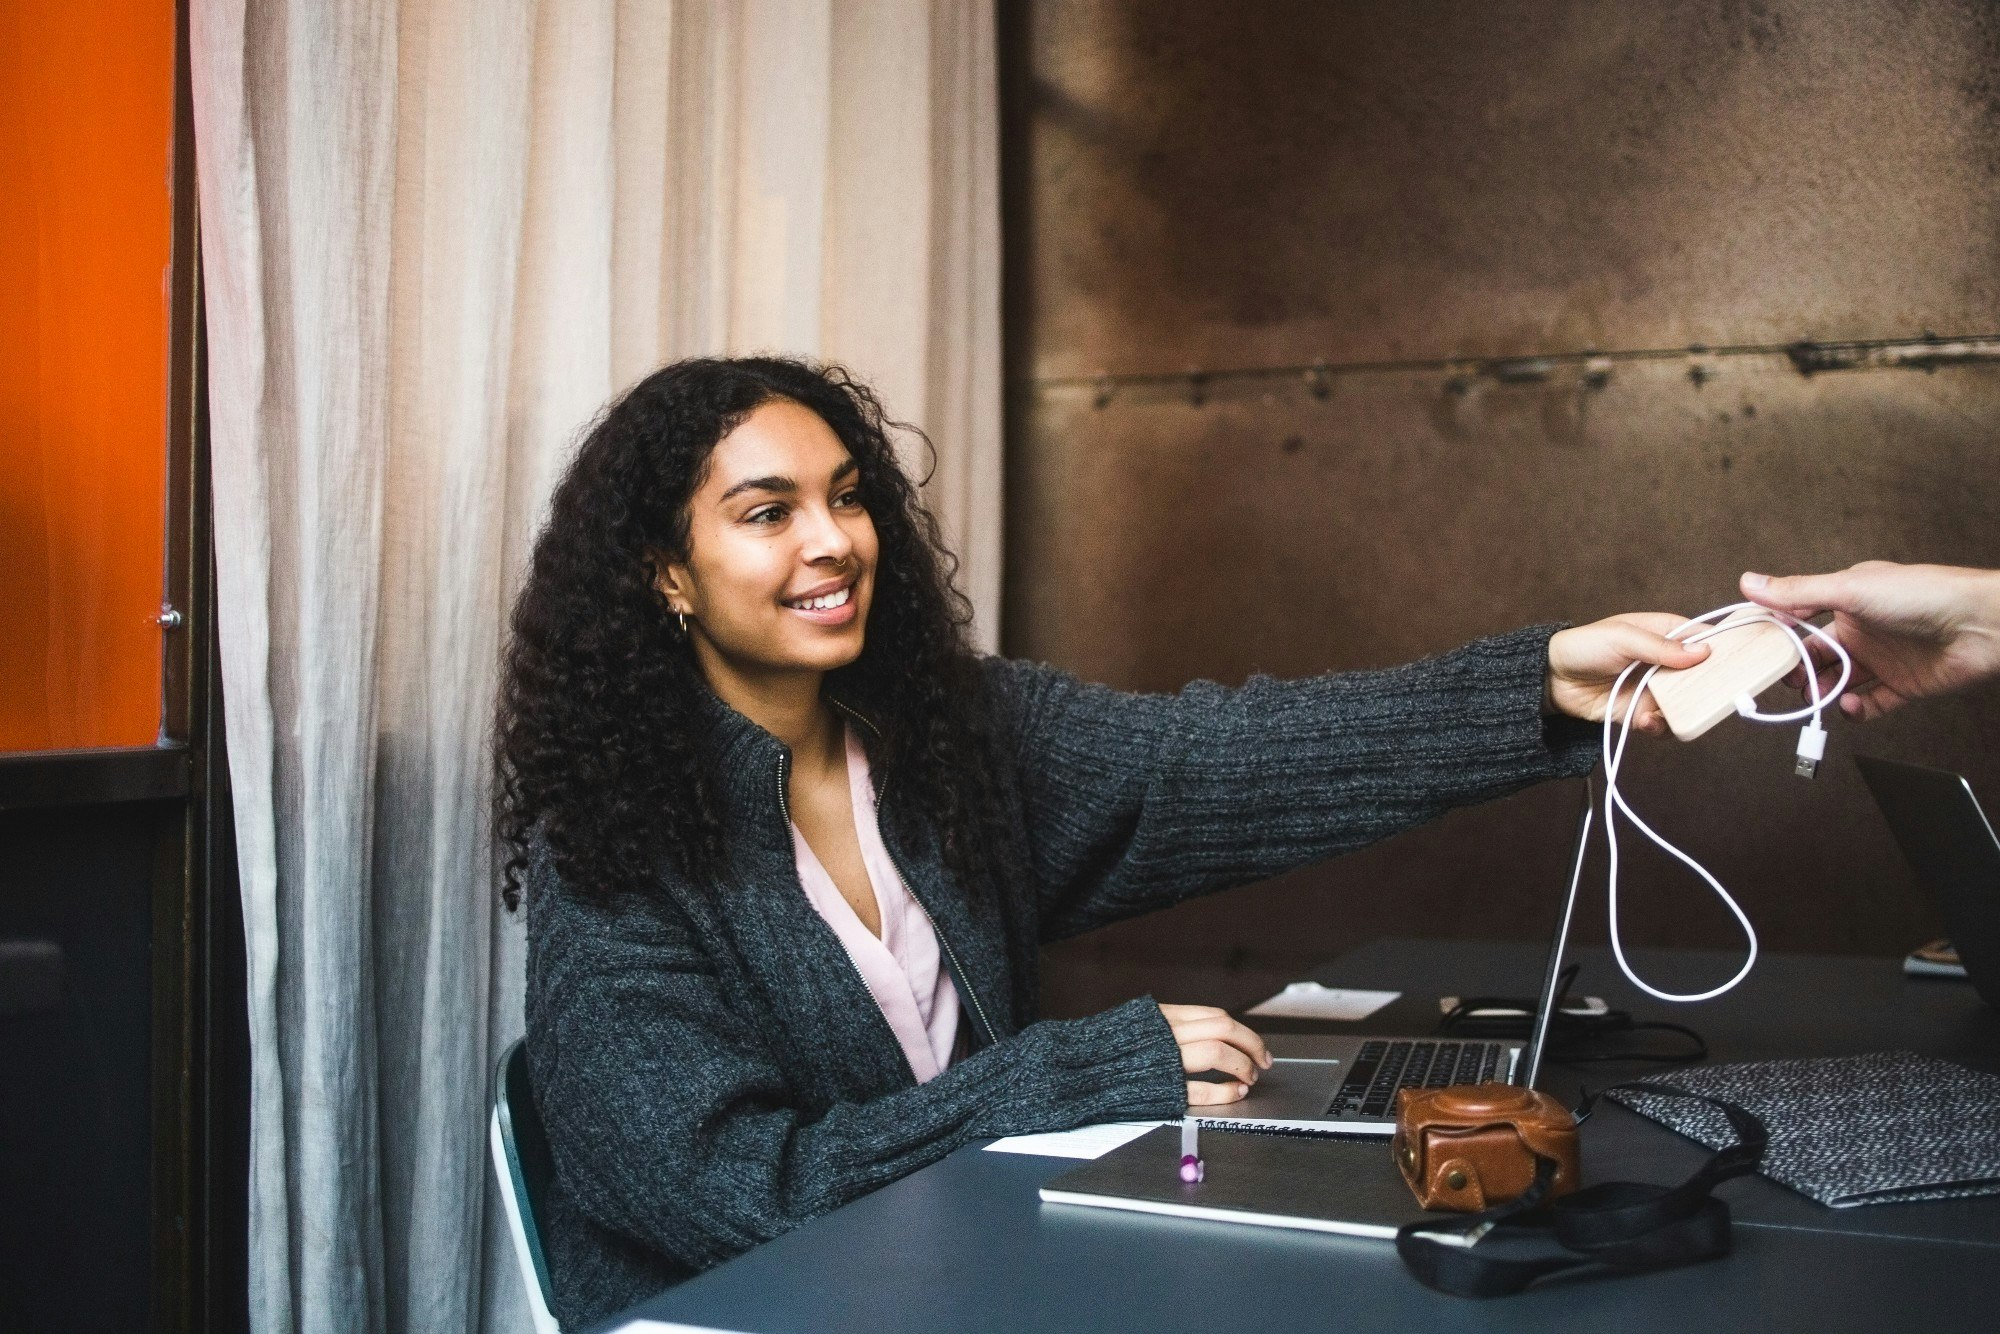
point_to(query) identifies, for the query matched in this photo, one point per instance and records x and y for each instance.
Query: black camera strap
(1625, 1225)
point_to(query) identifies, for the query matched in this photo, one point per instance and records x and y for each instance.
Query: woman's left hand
(1585, 660)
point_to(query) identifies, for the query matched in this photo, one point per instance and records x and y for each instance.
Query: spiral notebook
(1851, 1130)
(1321, 1183)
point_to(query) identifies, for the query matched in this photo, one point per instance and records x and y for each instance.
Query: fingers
(1870, 702)
(1825, 666)
(1210, 1040)
(1198, 1023)
(1800, 594)
(1649, 719)
(1217, 1055)
(1829, 677)
(1200, 1093)
(1820, 651)
(1640, 644)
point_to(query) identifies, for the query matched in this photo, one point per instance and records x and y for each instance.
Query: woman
(789, 847)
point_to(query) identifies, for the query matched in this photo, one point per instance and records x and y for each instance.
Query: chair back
(522, 1163)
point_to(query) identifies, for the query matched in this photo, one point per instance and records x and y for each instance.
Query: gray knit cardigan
(712, 1070)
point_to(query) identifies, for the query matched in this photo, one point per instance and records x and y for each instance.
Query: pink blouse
(902, 969)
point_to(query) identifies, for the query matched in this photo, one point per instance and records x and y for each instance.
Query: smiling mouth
(827, 602)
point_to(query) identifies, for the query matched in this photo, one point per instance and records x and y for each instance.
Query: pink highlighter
(1191, 1165)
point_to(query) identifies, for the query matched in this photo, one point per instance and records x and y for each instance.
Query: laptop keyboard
(1383, 1067)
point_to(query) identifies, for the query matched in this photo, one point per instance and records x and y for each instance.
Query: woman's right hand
(1210, 1040)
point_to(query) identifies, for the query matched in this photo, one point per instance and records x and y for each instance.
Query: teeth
(831, 600)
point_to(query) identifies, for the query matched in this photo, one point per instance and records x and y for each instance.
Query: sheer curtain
(437, 236)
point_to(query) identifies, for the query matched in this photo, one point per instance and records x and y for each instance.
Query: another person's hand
(1584, 662)
(1913, 630)
(1211, 1041)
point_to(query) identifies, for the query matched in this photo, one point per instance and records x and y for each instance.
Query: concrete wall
(1404, 194)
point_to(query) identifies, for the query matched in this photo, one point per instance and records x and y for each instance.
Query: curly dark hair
(601, 702)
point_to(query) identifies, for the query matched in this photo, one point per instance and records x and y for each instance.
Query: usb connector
(1812, 749)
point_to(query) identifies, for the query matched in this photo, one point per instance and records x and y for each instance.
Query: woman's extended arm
(671, 1123)
(1134, 802)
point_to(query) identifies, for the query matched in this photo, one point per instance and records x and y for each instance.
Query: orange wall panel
(86, 143)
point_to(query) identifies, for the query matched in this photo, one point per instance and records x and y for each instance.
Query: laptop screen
(1950, 844)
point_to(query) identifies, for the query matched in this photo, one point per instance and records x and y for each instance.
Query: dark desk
(966, 1245)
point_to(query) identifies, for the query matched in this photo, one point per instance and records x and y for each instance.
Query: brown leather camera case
(1471, 1146)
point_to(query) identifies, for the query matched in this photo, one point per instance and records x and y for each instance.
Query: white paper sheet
(1310, 1000)
(1083, 1142)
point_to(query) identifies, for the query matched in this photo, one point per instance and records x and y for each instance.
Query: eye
(766, 514)
(849, 499)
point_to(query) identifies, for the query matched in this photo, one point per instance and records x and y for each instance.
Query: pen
(1191, 1165)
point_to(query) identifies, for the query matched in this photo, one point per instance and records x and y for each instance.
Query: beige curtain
(437, 236)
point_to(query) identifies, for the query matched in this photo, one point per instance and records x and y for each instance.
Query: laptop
(1950, 844)
(1351, 1088)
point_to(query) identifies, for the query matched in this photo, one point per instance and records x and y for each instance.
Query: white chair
(521, 1162)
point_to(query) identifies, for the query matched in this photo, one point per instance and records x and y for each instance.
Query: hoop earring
(682, 617)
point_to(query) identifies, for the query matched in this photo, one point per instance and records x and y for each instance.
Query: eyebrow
(785, 485)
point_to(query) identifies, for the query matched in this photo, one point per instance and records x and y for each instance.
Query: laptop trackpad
(1291, 1090)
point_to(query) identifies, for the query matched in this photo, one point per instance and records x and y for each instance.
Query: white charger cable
(1811, 749)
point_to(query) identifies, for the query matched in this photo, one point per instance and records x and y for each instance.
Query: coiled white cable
(1812, 744)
